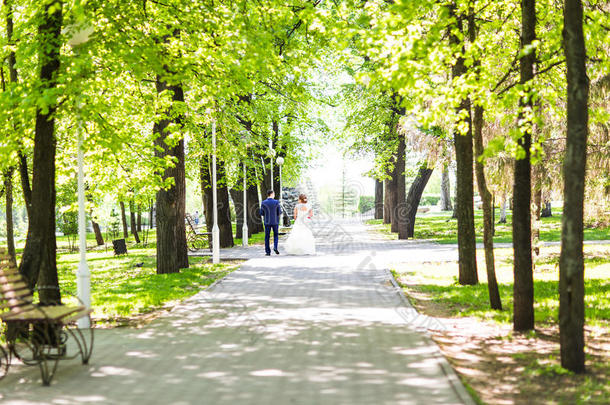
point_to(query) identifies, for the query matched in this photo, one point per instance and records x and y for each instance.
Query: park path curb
(454, 379)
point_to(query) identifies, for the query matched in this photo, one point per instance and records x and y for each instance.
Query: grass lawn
(440, 228)
(255, 239)
(127, 287)
(506, 367)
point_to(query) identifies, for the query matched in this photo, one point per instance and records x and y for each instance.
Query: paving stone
(324, 329)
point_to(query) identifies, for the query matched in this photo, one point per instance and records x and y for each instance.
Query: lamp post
(244, 228)
(215, 230)
(83, 275)
(280, 162)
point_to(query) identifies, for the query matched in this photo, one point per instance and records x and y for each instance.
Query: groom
(270, 209)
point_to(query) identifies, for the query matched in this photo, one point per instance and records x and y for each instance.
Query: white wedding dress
(301, 240)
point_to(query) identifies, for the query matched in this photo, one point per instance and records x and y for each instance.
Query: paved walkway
(328, 329)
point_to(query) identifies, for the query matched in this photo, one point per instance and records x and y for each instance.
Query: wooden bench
(37, 334)
(195, 239)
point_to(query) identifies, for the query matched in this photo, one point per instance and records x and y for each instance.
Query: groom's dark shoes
(277, 252)
(267, 254)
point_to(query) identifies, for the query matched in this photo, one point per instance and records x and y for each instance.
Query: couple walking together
(301, 240)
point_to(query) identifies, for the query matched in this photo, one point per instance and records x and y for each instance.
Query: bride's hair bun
(303, 198)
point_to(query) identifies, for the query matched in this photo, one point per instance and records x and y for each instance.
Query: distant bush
(430, 200)
(366, 203)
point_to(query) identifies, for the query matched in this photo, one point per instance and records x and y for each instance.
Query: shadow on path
(328, 329)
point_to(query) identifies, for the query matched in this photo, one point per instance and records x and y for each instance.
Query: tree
(378, 199)
(462, 139)
(133, 225)
(225, 227)
(414, 197)
(399, 217)
(10, 237)
(99, 238)
(172, 250)
(124, 220)
(488, 226)
(38, 263)
(255, 224)
(345, 198)
(446, 190)
(387, 201)
(523, 287)
(23, 166)
(571, 263)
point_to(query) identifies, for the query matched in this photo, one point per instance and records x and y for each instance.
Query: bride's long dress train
(301, 240)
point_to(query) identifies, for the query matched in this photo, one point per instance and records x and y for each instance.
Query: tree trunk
(378, 199)
(238, 202)
(151, 212)
(547, 211)
(446, 190)
(38, 263)
(400, 206)
(222, 194)
(224, 210)
(99, 239)
(465, 206)
(387, 201)
(537, 202)
(172, 250)
(124, 220)
(488, 225)
(25, 182)
(571, 262)
(455, 205)
(503, 210)
(133, 224)
(523, 287)
(255, 224)
(12, 62)
(414, 197)
(10, 228)
(276, 169)
(464, 159)
(486, 198)
(393, 199)
(139, 219)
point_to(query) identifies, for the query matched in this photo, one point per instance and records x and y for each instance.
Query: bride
(301, 240)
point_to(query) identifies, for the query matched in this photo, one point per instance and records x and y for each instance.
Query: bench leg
(36, 344)
(50, 350)
(84, 341)
(22, 344)
(48, 366)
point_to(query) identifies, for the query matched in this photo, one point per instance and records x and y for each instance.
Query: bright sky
(326, 171)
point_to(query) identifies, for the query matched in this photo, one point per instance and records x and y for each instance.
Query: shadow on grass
(474, 300)
(441, 228)
(124, 286)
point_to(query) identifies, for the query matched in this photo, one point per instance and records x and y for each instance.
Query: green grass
(441, 228)
(439, 281)
(256, 239)
(120, 289)
(433, 288)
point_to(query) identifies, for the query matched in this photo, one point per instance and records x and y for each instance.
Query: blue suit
(271, 211)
